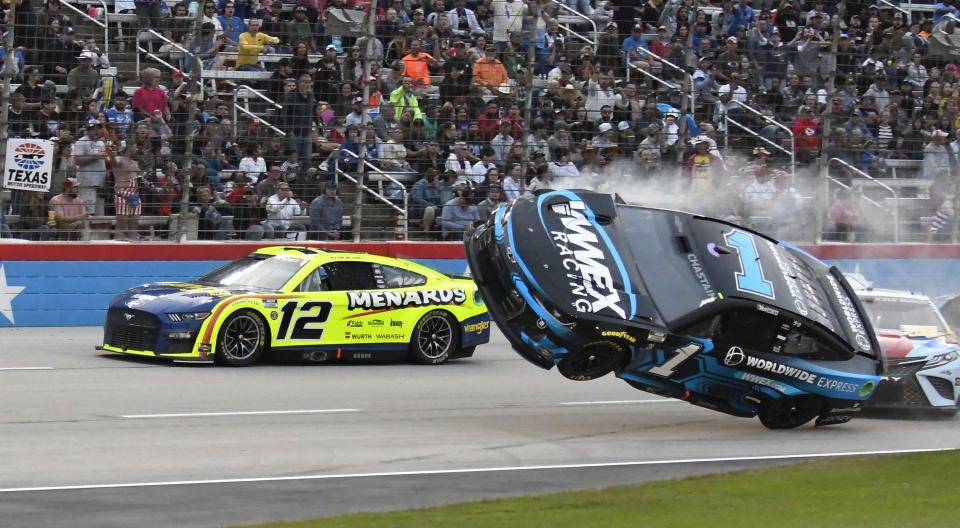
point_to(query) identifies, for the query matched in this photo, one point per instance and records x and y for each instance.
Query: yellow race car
(319, 305)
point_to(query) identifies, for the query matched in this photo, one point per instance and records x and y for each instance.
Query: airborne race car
(320, 305)
(676, 304)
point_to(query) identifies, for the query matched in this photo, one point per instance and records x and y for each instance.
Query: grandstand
(233, 119)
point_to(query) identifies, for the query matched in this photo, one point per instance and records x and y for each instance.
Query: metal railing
(593, 42)
(864, 175)
(246, 111)
(378, 193)
(156, 57)
(106, 30)
(792, 152)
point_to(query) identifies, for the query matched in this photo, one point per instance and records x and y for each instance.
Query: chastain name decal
(589, 278)
(387, 299)
(701, 276)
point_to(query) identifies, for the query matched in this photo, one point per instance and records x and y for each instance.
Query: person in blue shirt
(425, 198)
(635, 49)
(944, 8)
(742, 16)
(459, 215)
(326, 214)
(700, 32)
(232, 24)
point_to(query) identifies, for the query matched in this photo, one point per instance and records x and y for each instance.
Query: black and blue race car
(676, 304)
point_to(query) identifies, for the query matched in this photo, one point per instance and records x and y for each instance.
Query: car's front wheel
(787, 413)
(242, 339)
(434, 338)
(592, 361)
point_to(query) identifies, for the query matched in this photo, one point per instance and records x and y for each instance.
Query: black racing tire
(434, 338)
(592, 361)
(790, 412)
(242, 339)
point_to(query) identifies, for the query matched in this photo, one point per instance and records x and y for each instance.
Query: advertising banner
(29, 165)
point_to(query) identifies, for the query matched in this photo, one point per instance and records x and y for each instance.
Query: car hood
(898, 345)
(174, 297)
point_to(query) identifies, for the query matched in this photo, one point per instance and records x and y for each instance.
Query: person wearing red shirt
(661, 46)
(516, 122)
(806, 134)
(150, 97)
(489, 121)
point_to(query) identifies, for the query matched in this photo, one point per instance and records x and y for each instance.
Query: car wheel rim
(241, 337)
(435, 337)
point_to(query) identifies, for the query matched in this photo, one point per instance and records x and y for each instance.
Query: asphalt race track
(88, 439)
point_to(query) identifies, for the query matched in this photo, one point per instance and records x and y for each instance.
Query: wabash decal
(388, 299)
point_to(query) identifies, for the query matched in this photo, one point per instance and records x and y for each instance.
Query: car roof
(323, 255)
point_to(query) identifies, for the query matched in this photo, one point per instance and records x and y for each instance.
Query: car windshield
(255, 271)
(914, 316)
(667, 273)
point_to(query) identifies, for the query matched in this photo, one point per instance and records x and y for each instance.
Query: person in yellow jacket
(252, 43)
(404, 97)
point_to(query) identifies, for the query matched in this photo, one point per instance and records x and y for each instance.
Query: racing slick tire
(788, 413)
(242, 339)
(592, 361)
(435, 337)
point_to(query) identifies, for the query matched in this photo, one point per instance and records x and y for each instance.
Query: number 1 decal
(750, 277)
(300, 330)
(683, 353)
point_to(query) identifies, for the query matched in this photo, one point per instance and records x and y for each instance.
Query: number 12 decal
(750, 277)
(300, 330)
(670, 366)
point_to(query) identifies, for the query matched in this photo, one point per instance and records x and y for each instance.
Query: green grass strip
(882, 491)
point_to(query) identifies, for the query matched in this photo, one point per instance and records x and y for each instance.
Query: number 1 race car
(676, 304)
(321, 305)
(923, 364)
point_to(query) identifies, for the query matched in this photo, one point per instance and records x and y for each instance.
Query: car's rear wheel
(791, 412)
(242, 339)
(435, 337)
(592, 361)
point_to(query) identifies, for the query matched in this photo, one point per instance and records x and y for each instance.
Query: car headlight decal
(941, 359)
(184, 317)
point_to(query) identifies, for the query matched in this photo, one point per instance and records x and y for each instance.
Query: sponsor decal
(395, 335)
(850, 314)
(245, 302)
(841, 386)
(270, 303)
(361, 355)
(766, 309)
(356, 335)
(273, 315)
(789, 273)
(204, 348)
(354, 324)
(735, 357)
(477, 327)
(139, 299)
(589, 278)
(396, 323)
(701, 276)
(128, 316)
(760, 380)
(621, 334)
(375, 322)
(898, 378)
(390, 299)
(656, 337)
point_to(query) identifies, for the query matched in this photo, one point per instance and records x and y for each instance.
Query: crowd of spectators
(444, 110)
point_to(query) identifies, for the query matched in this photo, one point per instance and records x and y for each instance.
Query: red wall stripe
(93, 251)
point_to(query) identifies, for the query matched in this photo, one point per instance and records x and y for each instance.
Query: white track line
(468, 470)
(618, 402)
(239, 413)
(26, 368)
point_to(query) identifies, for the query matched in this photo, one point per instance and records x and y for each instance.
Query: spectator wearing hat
(84, 77)
(703, 172)
(416, 65)
(878, 90)
(90, 155)
(61, 56)
(251, 43)
(806, 135)
(300, 30)
(935, 156)
(661, 45)
(69, 211)
(404, 96)
(635, 49)
(326, 214)
(489, 73)
(120, 115)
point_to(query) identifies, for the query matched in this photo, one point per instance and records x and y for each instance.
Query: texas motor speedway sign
(29, 165)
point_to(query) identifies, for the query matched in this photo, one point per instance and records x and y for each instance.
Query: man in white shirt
(281, 208)
(458, 163)
(480, 168)
(728, 94)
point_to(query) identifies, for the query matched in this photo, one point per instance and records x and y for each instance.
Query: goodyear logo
(477, 327)
(621, 334)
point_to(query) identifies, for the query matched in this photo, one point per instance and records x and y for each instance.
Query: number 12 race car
(321, 305)
(676, 304)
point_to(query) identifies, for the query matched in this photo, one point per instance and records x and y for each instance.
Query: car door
(306, 318)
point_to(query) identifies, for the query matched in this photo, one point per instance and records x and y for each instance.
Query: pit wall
(59, 284)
